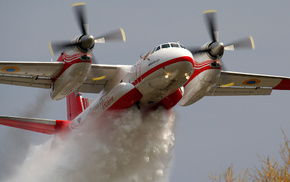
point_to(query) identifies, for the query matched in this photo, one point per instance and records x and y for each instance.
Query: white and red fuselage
(163, 77)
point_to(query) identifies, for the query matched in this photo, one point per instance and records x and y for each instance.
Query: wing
(248, 84)
(40, 74)
(97, 70)
(32, 74)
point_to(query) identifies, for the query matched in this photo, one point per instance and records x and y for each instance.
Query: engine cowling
(198, 87)
(70, 80)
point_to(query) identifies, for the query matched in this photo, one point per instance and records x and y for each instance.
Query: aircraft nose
(180, 69)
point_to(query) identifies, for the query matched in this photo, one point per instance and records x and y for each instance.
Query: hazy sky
(210, 134)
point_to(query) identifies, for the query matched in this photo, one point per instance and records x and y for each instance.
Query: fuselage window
(174, 45)
(165, 46)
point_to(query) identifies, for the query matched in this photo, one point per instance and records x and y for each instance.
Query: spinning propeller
(85, 42)
(215, 49)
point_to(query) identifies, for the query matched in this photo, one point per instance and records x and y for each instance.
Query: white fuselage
(151, 79)
(154, 77)
(162, 73)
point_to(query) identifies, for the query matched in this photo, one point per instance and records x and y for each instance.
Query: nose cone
(217, 49)
(87, 42)
(180, 68)
(181, 63)
(174, 68)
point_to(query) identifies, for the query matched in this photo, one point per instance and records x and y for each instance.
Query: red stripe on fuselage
(169, 62)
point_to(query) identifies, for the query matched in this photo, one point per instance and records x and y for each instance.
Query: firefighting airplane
(166, 75)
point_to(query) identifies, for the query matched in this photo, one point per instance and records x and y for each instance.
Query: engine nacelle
(70, 80)
(198, 87)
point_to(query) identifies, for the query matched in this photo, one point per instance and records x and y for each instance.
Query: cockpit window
(174, 45)
(155, 49)
(165, 46)
(182, 46)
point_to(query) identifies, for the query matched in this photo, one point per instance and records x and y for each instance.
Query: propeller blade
(94, 59)
(223, 66)
(215, 49)
(117, 35)
(246, 43)
(57, 46)
(85, 42)
(228, 82)
(81, 17)
(103, 76)
(198, 50)
(211, 24)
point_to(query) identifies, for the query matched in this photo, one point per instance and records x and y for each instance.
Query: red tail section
(75, 105)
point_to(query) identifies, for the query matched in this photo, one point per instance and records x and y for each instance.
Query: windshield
(167, 45)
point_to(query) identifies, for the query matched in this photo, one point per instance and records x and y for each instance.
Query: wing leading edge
(248, 84)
